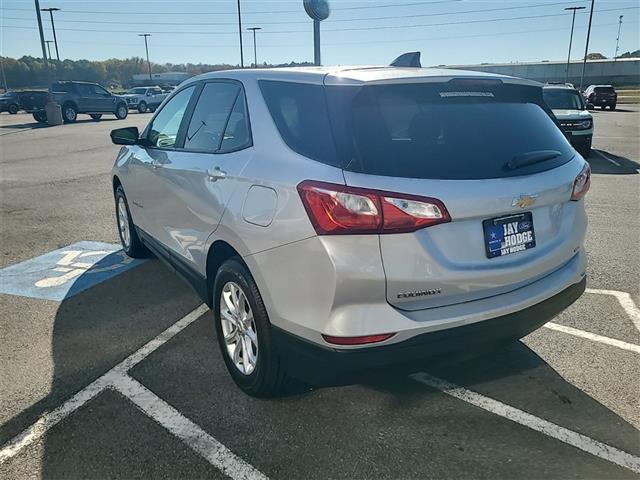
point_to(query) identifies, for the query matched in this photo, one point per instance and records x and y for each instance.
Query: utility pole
(4, 78)
(49, 42)
(573, 21)
(255, 54)
(615, 57)
(240, 34)
(53, 28)
(586, 47)
(44, 51)
(146, 47)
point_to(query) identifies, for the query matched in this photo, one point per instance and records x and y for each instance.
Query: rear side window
(444, 131)
(209, 119)
(62, 87)
(300, 113)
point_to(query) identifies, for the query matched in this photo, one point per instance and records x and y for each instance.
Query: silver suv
(340, 218)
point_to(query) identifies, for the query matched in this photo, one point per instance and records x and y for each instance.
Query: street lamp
(615, 57)
(573, 21)
(53, 27)
(146, 47)
(255, 54)
(586, 46)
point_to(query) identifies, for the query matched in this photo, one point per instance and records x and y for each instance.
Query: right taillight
(582, 183)
(342, 210)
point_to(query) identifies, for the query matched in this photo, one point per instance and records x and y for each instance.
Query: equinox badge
(524, 201)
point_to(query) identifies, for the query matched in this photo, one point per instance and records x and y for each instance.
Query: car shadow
(607, 163)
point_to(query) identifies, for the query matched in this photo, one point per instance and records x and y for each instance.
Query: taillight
(582, 183)
(363, 340)
(341, 210)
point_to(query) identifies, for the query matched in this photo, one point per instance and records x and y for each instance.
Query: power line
(390, 17)
(382, 27)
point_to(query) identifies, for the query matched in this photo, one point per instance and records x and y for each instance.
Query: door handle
(215, 174)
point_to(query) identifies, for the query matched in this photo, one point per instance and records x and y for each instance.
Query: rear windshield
(450, 131)
(563, 99)
(604, 89)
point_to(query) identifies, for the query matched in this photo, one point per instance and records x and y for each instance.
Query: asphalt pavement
(83, 394)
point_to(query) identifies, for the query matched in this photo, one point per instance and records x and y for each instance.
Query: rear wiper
(530, 158)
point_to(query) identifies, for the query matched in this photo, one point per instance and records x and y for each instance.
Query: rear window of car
(604, 89)
(451, 131)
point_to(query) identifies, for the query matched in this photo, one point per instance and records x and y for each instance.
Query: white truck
(144, 99)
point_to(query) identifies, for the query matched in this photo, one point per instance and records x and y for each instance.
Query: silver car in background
(347, 218)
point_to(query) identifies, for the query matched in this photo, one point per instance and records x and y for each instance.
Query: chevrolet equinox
(353, 217)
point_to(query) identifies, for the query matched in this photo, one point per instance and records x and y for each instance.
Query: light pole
(146, 47)
(53, 28)
(255, 54)
(240, 35)
(586, 47)
(49, 42)
(44, 51)
(615, 57)
(573, 21)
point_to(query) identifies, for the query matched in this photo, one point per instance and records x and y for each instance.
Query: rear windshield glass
(439, 131)
(563, 99)
(604, 89)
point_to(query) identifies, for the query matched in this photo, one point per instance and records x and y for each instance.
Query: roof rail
(409, 59)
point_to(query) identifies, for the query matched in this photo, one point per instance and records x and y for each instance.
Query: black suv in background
(601, 96)
(90, 98)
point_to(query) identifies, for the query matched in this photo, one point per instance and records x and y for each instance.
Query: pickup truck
(144, 99)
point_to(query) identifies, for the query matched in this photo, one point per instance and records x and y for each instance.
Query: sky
(447, 32)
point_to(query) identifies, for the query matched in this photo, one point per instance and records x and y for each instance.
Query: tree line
(30, 71)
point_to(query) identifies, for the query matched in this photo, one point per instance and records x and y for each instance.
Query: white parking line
(197, 439)
(582, 442)
(48, 420)
(611, 160)
(626, 302)
(593, 337)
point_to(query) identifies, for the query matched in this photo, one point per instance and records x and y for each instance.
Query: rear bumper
(315, 362)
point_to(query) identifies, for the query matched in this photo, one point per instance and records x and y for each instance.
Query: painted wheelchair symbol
(71, 266)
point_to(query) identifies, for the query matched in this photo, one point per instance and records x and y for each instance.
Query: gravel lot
(563, 403)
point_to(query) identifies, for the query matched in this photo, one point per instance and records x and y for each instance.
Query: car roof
(356, 75)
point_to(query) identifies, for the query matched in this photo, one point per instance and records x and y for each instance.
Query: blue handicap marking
(65, 272)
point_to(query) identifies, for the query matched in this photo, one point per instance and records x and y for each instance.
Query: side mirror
(125, 136)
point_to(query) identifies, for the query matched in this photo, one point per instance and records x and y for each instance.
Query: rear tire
(612, 107)
(129, 239)
(96, 116)
(40, 117)
(69, 113)
(13, 109)
(266, 376)
(122, 111)
(142, 107)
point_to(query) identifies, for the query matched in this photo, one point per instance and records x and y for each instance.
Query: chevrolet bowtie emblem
(524, 201)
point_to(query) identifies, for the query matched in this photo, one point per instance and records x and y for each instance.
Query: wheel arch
(116, 183)
(219, 252)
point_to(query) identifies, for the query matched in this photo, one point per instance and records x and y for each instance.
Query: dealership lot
(84, 394)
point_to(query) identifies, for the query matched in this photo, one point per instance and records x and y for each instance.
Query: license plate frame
(501, 240)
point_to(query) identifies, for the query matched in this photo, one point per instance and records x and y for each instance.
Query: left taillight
(582, 183)
(342, 210)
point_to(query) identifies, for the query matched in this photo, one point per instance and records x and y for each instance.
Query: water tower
(318, 10)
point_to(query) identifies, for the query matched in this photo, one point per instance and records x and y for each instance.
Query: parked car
(571, 111)
(346, 218)
(33, 102)
(90, 98)
(9, 102)
(144, 99)
(601, 96)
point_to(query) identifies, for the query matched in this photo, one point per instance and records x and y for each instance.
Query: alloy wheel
(123, 223)
(238, 328)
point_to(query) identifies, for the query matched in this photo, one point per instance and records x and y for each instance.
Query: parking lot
(115, 370)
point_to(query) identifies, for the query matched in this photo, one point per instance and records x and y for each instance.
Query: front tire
(40, 117)
(122, 111)
(142, 107)
(129, 239)
(244, 332)
(13, 109)
(612, 107)
(69, 113)
(96, 116)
